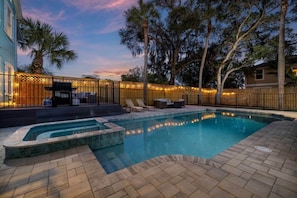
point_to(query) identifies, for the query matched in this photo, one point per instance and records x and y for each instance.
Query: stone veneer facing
(15, 147)
(94, 142)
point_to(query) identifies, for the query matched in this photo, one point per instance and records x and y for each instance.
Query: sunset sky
(92, 27)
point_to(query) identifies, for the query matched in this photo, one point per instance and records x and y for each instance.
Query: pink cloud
(53, 19)
(100, 4)
(114, 25)
(45, 17)
(111, 68)
(110, 73)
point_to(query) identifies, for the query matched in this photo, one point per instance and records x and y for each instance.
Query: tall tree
(170, 36)
(281, 55)
(138, 19)
(242, 19)
(209, 10)
(44, 42)
(209, 27)
(145, 32)
(177, 35)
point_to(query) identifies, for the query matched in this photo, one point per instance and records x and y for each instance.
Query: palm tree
(145, 32)
(281, 55)
(137, 22)
(44, 42)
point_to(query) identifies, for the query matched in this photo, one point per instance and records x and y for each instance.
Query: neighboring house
(265, 76)
(10, 14)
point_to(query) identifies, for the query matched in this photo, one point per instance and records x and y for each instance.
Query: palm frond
(44, 42)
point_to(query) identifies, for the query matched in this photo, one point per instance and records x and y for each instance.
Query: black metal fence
(32, 90)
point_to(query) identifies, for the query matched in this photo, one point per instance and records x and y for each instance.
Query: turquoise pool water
(199, 134)
(45, 131)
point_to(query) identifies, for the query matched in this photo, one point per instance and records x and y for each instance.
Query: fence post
(3, 88)
(98, 90)
(54, 104)
(112, 92)
(263, 102)
(185, 97)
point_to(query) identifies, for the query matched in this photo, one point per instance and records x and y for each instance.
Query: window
(8, 19)
(259, 74)
(9, 80)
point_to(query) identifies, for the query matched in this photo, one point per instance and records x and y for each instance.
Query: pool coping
(242, 171)
(205, 114)
(216, 161)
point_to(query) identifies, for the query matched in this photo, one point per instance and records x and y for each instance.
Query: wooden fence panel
(290, 101)
(29, 91)
(270, 100)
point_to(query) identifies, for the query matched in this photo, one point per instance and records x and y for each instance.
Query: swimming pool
(196, 134)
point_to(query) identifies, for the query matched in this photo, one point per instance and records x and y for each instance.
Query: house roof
(291, 61)
(269, 64)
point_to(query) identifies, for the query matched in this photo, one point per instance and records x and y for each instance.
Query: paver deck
(240, 171)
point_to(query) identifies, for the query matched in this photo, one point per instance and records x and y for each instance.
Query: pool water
(200, 134)
(45, 131)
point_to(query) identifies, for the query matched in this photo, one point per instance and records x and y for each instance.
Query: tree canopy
(44, 42)
(241, 33)
(222, 37)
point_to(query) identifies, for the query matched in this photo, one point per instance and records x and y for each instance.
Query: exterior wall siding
(269, 79)
(8, 48)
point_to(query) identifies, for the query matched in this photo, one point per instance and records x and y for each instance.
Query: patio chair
(141, 104)
(182, 101)
(162, 103)
(131, 105)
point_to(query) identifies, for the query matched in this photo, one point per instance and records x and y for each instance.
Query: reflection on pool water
(197, 134)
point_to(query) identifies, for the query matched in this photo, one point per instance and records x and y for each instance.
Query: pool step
(114, 159)
(64, 132)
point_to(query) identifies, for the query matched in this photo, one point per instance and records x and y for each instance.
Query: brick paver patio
(240, 171)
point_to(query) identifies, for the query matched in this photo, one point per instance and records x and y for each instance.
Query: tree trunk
(37, 63)
(172, 76)
(145, 27)
(173, 66)
(240, 35)
(203, 62)
(281, 55)
(219, 87)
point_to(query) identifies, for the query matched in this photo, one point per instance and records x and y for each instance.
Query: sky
(92, 27)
